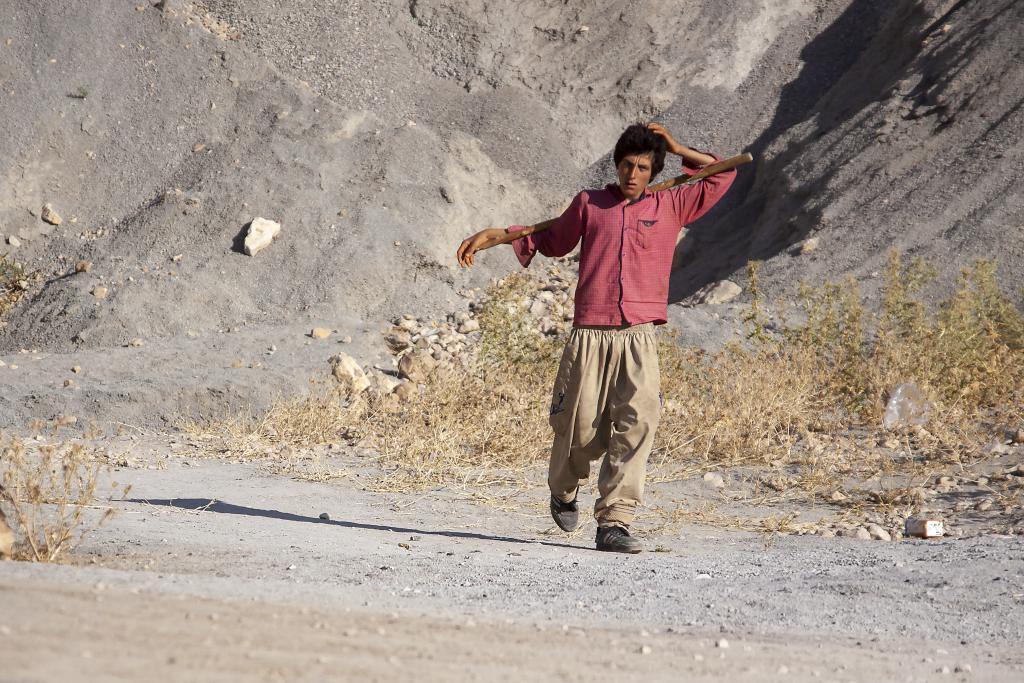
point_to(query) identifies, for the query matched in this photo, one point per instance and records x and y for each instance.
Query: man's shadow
(213, 505)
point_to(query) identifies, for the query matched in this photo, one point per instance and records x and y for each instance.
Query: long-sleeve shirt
(626, 257)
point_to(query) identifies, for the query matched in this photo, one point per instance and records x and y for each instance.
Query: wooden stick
(706, 172)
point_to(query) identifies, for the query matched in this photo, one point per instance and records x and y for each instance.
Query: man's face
(634, 173)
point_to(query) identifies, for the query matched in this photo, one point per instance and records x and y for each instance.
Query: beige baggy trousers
(606, 403)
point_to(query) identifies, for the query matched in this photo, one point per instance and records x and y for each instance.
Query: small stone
(878, 533)
(76, 369)
(320, 333)
(962, 669)
(346, 370)
(83, 266)
(416, 367)
(471, 325)
(714, 480)
(50, 216)
(324, 515)
(645, 649)
(198, 147)
(398, 339)
(69, 382)
(721, 292)
(346, 339)
(804, 247)
(1018, 436)
(100, 292)
(722, 644)
(826, 533)
(6, 542)
(837, 497)
(136, 342)
(260, 234)
(177, 257)
(13, 241)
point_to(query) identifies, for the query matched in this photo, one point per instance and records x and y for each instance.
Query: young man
(606, 400)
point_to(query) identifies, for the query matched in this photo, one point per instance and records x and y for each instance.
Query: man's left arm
(694, 200)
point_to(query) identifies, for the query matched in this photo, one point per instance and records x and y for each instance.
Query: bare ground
(214, 570)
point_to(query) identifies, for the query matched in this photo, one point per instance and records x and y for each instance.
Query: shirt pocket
(643, 232)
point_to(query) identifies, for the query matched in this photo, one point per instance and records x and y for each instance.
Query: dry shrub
(48, 487)
(813, 381)
(483, 423)
(803, 401)
(323, 416)
(14, 282)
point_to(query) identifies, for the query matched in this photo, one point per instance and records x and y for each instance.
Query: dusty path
(464, 591)
(125, 635)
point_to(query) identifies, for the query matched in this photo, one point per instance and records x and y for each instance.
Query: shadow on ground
(218, 506)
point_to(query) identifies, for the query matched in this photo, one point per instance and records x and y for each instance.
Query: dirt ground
(214, 570)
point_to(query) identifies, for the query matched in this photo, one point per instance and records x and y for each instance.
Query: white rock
(320, 333)
(6, 538)
(13, 241)
(50, 216)
(384, 383)
(100, 292)
(261, 233)
(878, 533)
(805, 247)
(722, 644)
(719, 293)
(714, 480)
(347, 371)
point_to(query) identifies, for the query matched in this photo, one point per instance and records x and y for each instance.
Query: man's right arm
(558, 240)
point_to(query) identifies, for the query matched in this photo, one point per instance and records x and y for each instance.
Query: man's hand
(662, 132)
(690, 156)
(485, 239)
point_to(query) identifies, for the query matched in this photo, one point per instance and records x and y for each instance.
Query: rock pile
(422, 347)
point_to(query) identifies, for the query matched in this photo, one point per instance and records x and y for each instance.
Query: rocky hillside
(380, 132)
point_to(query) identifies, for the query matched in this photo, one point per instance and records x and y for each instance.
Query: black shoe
(615, 539)
(566, 515)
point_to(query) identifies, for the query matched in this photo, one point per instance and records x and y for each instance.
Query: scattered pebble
(722, 644)
(49, 215)
(100, 292)
(324, 515)
(320, 333)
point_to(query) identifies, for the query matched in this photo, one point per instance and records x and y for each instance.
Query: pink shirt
(627, 251)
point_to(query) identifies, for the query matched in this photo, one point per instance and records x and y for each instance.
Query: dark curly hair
(639, 139)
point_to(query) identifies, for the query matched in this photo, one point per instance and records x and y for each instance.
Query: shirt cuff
(691, 170)
(524, 247)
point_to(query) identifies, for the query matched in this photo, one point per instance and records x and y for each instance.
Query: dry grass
(47, 487)
(14, 282)
(812, 397)
(800, 406)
